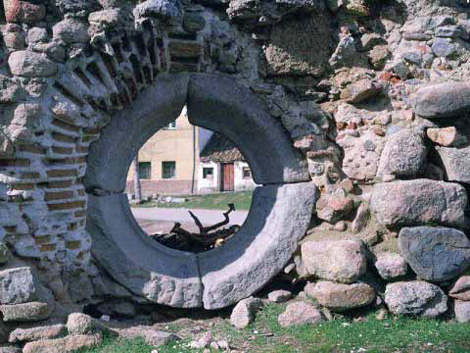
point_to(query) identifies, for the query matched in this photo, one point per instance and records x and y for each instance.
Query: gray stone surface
(416, 298)
(82, 324)
(300, 313)
(37, 333)
(71, 30)
(26, 312)
(456, 163)
(341, 261)
(443, 100)
(262, 247)
(163, 9)
(67, 344)
(391, 265)
(404, 154)
(462, 311)
(10, 349)
(419, 202)
(17, 285)
(244, 312)
(143, 266)
(435, 253)
(150, 335)
(29, 64)
(341, 297)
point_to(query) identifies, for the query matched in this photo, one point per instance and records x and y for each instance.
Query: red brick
(61, 195)
(62, 173)
(66, 206)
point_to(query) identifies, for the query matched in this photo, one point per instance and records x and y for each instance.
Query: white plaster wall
(241, 183)
(208, 185)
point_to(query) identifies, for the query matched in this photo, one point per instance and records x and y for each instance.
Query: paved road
(154, 220)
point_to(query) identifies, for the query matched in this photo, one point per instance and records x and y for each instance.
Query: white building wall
(242, 183)
(205, 185)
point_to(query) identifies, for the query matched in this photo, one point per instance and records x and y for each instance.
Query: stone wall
(373, 94)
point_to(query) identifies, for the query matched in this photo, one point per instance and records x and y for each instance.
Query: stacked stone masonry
(371, 97)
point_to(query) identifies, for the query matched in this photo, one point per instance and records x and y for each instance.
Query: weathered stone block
(341, 261)
(300, 313)
(29, 64)
(17, 285)
(419, 202)
(435, 253)
(456, 163)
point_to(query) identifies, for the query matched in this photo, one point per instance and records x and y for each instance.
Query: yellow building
(168, 162)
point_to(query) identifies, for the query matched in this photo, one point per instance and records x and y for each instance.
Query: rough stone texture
(461, 289)
(29, 64)
(340, 261)
(417, 202)
(341, 297)
(462, 311)
(33, 311)
(300, 313)
(404, 155)
(391, 265)
(455, 161)
(244, 312)
(435, 253)
(71, 31)
(70, 343)
(279, 296)
(361, 91)
(24, 11)
(415, 297)
(447, 136)
(37, 333)
(150, 335)
(334, 205)
(361, 155)
(299, 47)
(244, 264)
(444, 100)
(10, 349)
(17, 286)
(82, 324)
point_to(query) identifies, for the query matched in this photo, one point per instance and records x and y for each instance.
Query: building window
(145, 170)
(170, 126)
(168, 170)
(246, 173)
(207, 173)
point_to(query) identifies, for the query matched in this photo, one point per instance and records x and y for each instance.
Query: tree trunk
(137, 187)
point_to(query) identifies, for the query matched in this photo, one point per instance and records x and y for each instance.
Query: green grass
(219, 201)
(394, 334)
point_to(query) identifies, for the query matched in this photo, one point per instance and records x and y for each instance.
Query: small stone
(300, 313)
(447, 136)
(71, 31)
(455, 162)
(361, 91)
(341, 226)
(151, 336)
(333, 206)
(341, 297)
(36, 333)
(33, 311)
(24, 12)
(279, 296)
(443, 100)
(17, 286)
(81, 324)
(14, 40)
(36, 35)
(391, 265)
(461, 289)
(68, 344)
(381, 315)
(244, 312)
(361, 219)
(416, 298)
(419, 202)
(436, 254)
(28, 64)
(378, 56)
(404, 155)
(443, 48)
(341, 261)
(169, 10)
(462, 311)
(203, 342)
(401, 69)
